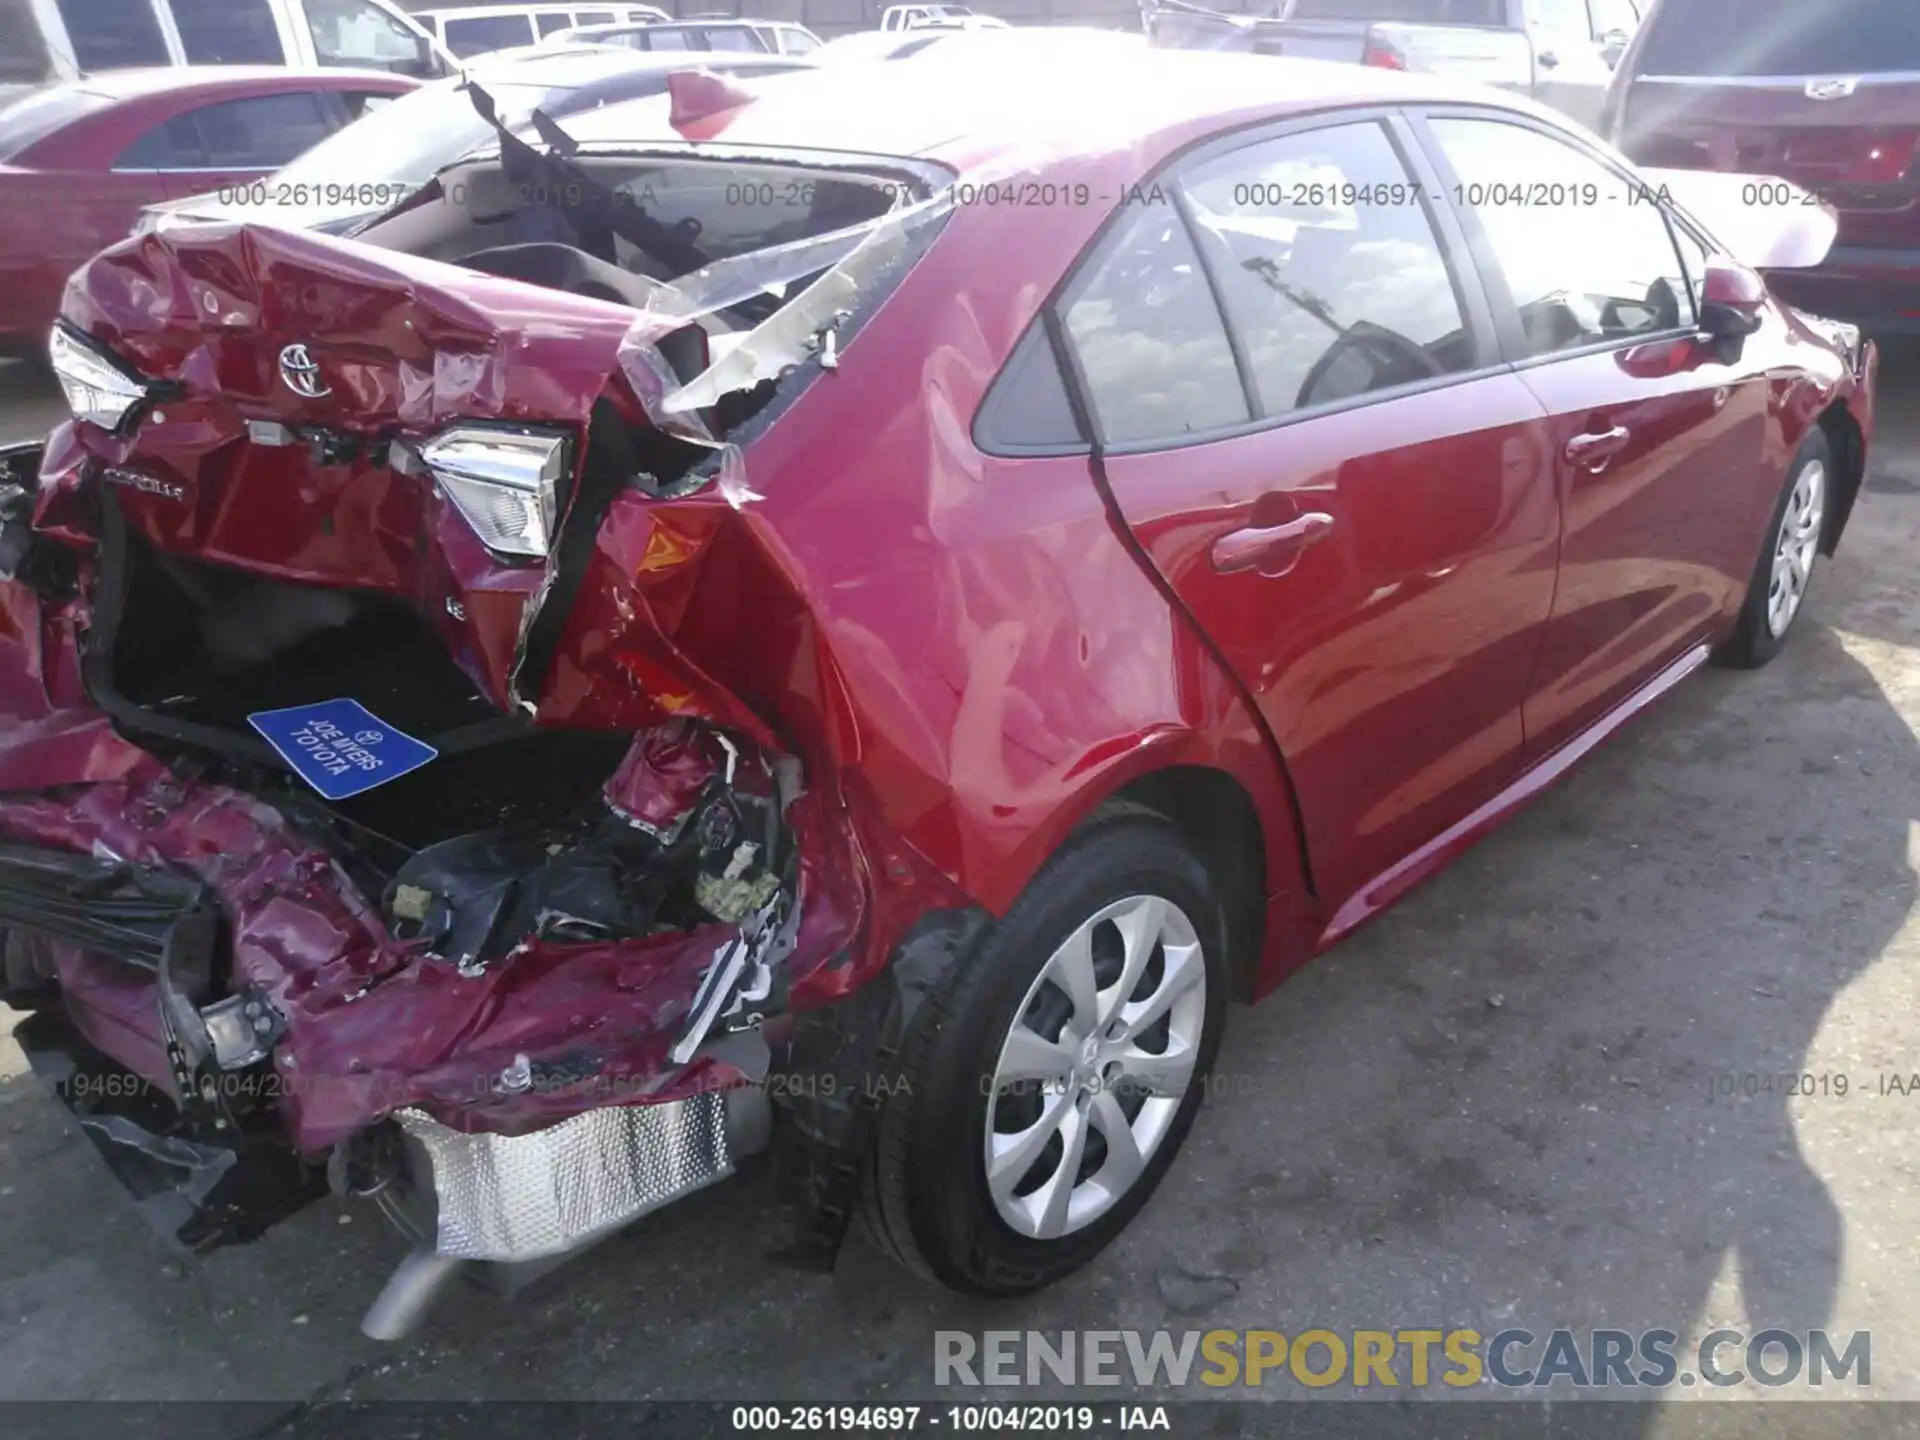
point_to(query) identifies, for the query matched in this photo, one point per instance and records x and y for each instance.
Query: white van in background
(477, 29)
(48, 40)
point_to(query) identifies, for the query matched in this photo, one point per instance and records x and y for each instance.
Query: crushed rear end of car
(403, 790)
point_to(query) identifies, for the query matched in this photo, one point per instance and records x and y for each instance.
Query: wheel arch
(1847, 444)
(1217, 817)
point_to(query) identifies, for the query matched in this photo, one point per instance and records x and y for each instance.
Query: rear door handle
(1269, 547)
(1595, 450)
(1549, 60)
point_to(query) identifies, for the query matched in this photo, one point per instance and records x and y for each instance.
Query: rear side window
(113, 34)
(263, 133)
(1149, 338)
(228, 32)
(547, 24)
(1416, 12)
(664, 39)
(1328, 266)
(174, 144)
(486, 32)
(1587, 265)
(1782, 37)
(726, 37)
(594, 17)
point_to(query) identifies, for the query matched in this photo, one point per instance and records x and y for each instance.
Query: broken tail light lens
(505, 483)
(97, 390)
(1381, 53)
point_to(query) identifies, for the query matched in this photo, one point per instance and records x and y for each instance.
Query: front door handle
(1549, 60)
(1267, 547)
(1595, 450)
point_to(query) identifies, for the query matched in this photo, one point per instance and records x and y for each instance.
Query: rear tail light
(1888, 158)
(95, 387)
(1382, 54)
(506, 483)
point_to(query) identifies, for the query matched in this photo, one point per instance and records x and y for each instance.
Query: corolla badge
(302, 373)
(1833, 89)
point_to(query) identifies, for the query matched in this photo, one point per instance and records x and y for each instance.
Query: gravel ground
(1492, 1107)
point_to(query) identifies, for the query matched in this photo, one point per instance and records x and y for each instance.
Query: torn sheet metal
(846, 262)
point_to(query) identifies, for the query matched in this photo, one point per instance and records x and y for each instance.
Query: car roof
(974, 98)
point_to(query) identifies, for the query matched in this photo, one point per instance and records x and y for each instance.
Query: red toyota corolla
(79, 160)
(857, 618)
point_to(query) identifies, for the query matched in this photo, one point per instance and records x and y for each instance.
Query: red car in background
(80, 159)
(1824, 95)
(864, 610)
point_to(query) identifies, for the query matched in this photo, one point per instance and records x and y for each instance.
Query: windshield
(1743, 38)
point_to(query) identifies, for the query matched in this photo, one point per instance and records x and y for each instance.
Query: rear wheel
(1777, 591)
(1050, 1080)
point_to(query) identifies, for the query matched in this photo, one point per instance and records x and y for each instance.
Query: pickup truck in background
(1561, 52)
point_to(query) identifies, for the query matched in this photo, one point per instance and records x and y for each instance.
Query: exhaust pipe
(743, 1120)
(409, 1293)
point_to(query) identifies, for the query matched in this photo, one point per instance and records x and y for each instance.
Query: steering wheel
(1388, 351)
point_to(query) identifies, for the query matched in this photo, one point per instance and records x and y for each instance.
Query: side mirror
(1733, 300)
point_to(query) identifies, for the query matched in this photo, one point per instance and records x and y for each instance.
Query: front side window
(1587, 257)
(113, 34)
(228, 32)
(1328, 267)
(482, 33)
(798, 42)
(548, 24)
(665, 39)
(357, 34)
(1148, 336)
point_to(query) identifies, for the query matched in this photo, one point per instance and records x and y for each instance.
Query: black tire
(1754, 642)
(926, 1199)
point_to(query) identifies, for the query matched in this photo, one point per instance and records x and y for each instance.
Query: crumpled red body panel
(406, 347)
(374, 1025)
(959, 650)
